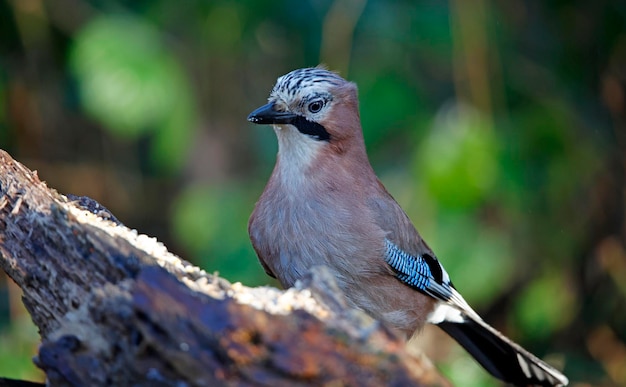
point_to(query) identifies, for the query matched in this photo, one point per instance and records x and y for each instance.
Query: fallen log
(114, 307)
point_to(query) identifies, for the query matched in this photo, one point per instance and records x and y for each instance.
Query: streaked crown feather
(291, 86)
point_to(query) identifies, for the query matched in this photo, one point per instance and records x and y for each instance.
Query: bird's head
(312, 106)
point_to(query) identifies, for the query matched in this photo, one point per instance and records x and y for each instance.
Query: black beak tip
(266, 115)
(261, 115)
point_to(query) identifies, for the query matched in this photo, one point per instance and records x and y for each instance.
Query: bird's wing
(426, 274)
(414, 264)
(412, 261)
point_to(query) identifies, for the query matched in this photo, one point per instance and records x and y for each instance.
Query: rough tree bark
(114, 307)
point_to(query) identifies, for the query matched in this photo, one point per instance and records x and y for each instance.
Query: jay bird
(324, 205)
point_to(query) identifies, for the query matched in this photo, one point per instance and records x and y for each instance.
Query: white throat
(297, 153)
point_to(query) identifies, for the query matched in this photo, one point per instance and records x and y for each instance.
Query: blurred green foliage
(219, 244)
(544, 315)
(17, 345)
(499, 127)
(458, 161)
(131, 83)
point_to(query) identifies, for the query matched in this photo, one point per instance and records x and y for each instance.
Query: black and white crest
(290, 85)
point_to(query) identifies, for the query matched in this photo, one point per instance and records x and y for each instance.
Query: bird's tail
(500, 356)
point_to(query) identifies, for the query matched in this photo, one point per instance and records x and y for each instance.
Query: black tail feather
(500, 356)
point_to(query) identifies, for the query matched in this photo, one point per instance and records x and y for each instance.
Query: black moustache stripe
(310, 128)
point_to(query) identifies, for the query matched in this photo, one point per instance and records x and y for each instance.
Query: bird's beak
(267, 114)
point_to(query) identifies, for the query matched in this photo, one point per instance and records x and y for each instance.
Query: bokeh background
(499, 126)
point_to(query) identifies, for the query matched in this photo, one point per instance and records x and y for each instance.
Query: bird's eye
(316, 106)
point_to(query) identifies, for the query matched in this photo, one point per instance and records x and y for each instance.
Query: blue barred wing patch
(413, 271)
(423, 273)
